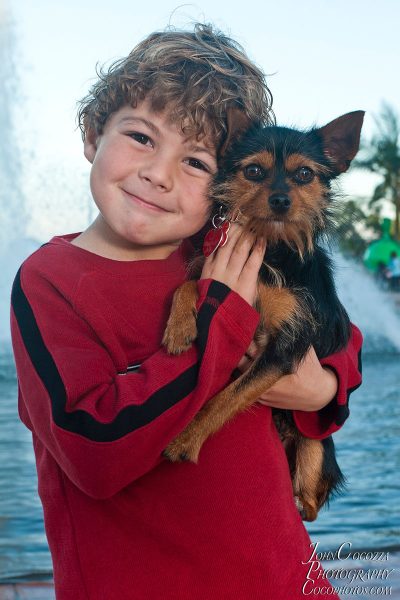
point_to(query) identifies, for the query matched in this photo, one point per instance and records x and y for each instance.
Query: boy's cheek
(203, 215)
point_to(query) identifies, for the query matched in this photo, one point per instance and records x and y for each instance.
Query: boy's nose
(158, 173)
(280, 203)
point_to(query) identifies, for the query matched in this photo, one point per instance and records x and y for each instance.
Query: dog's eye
(304, 175)
(254, 172)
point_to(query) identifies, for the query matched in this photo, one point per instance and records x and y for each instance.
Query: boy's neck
(99, 239)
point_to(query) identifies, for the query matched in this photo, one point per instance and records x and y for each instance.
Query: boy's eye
(254, 172)
(140, 137)
(197, 164)
(304, 175)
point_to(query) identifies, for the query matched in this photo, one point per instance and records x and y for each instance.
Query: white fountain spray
(371, 309)
(14, 245)
(10, 167)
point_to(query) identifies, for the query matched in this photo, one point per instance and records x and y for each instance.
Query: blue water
(368, 448)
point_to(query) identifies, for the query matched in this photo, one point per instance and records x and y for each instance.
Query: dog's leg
(307, 477)
(313, 468)
(278, 308)
(318, 475)
(311, 485)
(181, 329)
(305, 459)
(235, 398)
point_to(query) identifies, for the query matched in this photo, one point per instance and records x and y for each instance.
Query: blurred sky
(324, 57)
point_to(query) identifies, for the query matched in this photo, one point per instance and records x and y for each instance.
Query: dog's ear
(341, 139)
(237, 122)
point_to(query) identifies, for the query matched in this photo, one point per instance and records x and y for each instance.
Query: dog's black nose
(279, 203)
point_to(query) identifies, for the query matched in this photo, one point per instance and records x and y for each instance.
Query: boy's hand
(237, 263)
(309, 388)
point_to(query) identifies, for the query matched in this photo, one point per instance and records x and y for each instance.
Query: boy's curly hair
(198, 74)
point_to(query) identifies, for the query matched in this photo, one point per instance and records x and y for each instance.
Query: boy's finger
(216, 263)
(252, 350)
(249, 274)
(244, 364)
(231, 264)
(234, 233)
(240, 253)
(222, 255)
(256, 257)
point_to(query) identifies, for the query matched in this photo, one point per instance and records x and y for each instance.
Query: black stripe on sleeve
(217, 290)
(343, 410)
(216, 294)
(342, 414)
(360, 361)
(129, 418)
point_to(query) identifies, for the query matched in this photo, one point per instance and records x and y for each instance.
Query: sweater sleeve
(347, 366)
(106, 428)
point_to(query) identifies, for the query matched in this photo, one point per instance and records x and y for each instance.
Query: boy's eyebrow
(149, 124)
(203, 149)
(154, 128)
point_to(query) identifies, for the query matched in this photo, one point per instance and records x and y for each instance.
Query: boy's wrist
(329, 385)
(321, 390)
(309, 389)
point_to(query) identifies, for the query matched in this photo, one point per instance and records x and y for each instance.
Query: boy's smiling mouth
(141, 202)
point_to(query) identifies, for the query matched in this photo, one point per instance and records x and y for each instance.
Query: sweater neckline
(172, 263)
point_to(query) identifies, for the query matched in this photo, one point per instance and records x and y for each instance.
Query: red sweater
(122, 522)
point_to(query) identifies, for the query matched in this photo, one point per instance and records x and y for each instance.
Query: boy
(103, 399)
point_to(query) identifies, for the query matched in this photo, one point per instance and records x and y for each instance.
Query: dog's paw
(308, 512)
(178, 337)
(182, 449)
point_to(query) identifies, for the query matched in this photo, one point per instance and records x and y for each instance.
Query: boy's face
(149, 182)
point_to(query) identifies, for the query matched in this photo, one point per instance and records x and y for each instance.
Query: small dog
(278, 181)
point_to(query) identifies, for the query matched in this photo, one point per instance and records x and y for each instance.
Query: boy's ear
(236, 124)
(90, 144)
(341, 139)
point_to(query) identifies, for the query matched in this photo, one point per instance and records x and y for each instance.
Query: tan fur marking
(307, 475)
(264, 159)
(296, 228)
(295, 161)
(222, 408)
(181, 329)
(277, 306)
